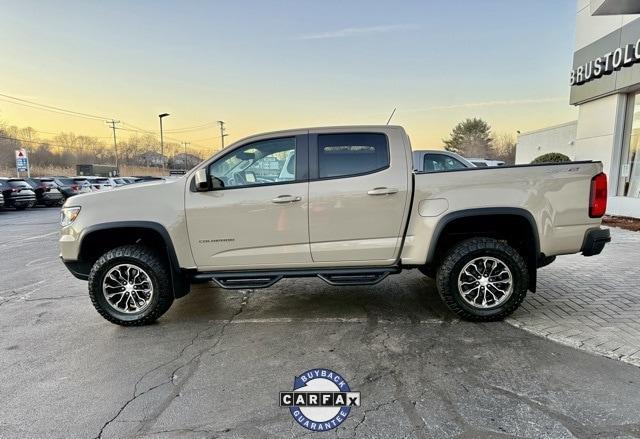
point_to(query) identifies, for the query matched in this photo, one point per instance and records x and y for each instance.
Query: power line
(153, 133)
(63, 111)
(41, 142)
(206, 138)
(51, 108)
(193, 128)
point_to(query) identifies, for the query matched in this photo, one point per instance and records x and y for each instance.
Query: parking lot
(214, 365)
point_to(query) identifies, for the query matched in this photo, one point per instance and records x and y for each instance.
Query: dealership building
(605, 85)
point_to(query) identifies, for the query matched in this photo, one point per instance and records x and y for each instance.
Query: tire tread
(157, 266)
(446, 268)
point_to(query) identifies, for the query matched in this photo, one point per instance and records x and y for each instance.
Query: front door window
(259, 163)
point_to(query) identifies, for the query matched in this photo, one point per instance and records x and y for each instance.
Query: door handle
(283, 199)
(382, 191)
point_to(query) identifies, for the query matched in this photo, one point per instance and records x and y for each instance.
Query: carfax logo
(321, 399)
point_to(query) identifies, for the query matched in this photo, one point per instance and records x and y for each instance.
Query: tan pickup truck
(339, 203)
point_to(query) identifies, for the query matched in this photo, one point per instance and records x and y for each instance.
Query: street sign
(22, 161)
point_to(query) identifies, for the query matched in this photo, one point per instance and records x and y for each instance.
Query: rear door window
(351, 154)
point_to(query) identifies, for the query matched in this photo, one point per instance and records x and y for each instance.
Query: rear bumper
(594, 241)
(51, 197)
(20, 201)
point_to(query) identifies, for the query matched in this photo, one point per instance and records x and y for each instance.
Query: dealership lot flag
(22, 161)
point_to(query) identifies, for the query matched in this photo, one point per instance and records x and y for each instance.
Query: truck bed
(555, 195)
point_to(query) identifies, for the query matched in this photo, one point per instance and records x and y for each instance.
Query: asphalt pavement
(214, 365)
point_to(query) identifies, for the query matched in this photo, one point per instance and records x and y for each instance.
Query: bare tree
(504, 148)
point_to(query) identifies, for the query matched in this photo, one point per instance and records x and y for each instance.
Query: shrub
(551, 157)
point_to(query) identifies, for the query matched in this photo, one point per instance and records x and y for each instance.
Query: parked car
(70, 186)
(484, 163)
(434, 160)
(17, 193)
(100, 183)
(117, 181)
(47, 192)
(144, 178)
(353, 213)
(1, 200)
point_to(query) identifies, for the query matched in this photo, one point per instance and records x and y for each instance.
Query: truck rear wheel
(130, 286)
(482, 279)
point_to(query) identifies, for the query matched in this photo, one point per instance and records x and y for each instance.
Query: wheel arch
(96, 239)
(521, 218)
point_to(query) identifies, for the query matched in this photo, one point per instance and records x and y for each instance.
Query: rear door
(358, 195)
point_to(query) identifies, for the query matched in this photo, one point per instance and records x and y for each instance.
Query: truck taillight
(598, 196)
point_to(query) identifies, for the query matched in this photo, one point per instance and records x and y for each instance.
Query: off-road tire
(465, 251)
(153, 265)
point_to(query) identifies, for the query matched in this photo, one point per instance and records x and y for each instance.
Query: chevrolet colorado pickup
(342, 204)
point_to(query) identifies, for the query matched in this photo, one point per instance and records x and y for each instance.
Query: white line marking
(357, 320)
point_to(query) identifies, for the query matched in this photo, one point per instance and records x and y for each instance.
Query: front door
(257, 215)
(358, 195)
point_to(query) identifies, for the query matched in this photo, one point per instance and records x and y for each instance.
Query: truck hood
(158, 201)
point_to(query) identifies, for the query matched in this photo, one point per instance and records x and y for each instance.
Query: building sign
(22, 161)
(606, 64)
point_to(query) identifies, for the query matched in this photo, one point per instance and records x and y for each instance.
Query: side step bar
(265, 279)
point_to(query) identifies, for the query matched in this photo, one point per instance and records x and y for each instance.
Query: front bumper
(594, 241)
(79, 269)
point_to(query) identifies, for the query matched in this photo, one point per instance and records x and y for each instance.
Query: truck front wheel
(130, 286)
(482, 279)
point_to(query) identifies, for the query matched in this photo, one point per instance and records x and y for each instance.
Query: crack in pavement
(147, 422)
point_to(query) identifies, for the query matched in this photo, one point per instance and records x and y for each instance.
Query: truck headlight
(68, 215)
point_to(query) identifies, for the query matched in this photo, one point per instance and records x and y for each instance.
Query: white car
(117, 181)
(483, 163)
(436, 160)
(100, 183)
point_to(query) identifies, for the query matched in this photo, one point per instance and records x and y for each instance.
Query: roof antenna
(392, 113)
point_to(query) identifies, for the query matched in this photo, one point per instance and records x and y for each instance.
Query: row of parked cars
(21, 193)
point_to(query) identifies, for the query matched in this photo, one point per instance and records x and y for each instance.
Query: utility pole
(185, 155)
(115, 144)
(222, 134)
(162, 140)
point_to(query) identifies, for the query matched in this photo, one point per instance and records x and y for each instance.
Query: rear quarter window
(351, 154)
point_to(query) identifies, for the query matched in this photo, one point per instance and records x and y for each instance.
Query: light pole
(162, 139)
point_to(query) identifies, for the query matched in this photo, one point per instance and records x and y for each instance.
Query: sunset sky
(267, 65)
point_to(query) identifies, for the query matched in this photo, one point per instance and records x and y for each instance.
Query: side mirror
(201, 180)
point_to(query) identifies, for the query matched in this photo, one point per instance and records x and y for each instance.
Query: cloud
(356, 31)
(500, 103)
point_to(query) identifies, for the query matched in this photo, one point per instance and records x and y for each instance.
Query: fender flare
(490, 211)
(179, 280)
